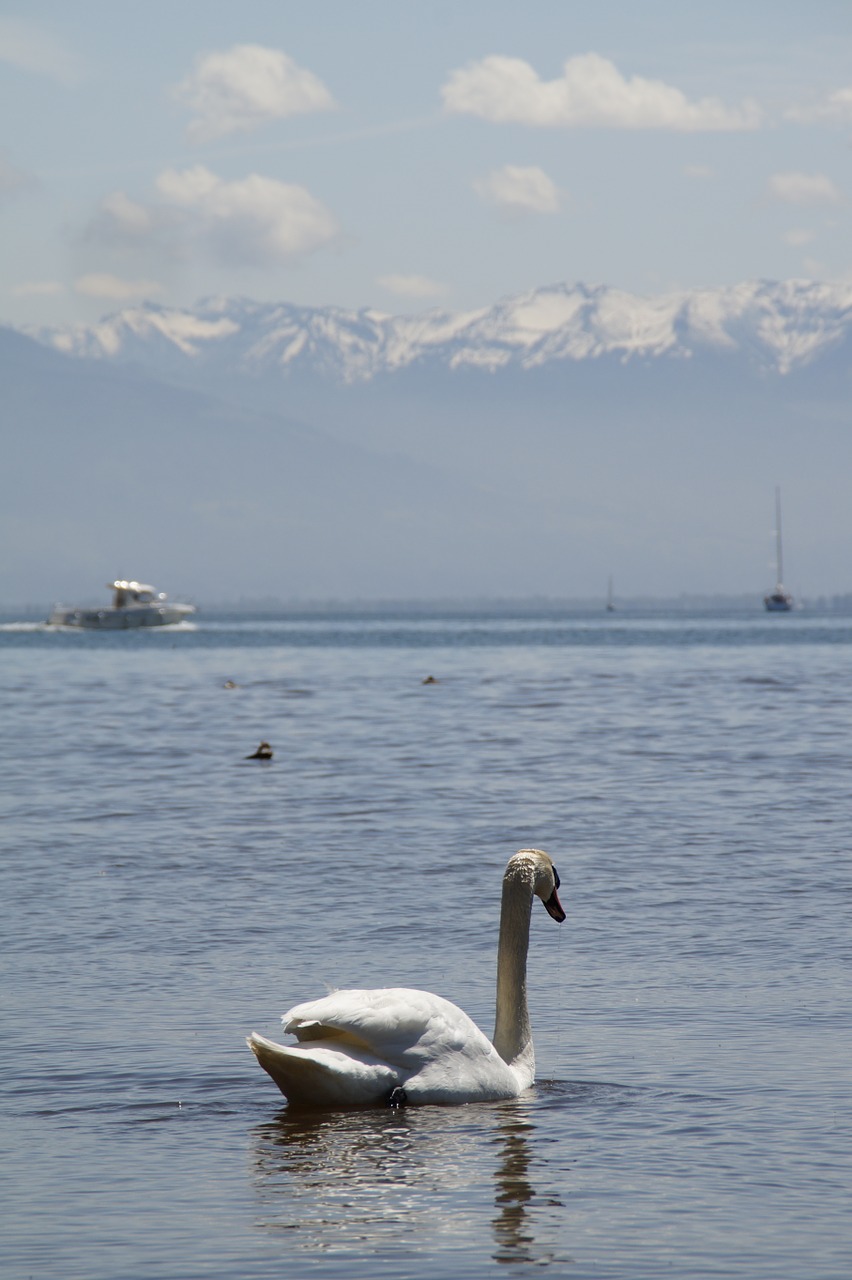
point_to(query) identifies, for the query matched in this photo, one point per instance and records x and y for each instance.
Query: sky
(404, 156)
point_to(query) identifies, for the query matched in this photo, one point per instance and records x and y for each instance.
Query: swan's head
(537, 866)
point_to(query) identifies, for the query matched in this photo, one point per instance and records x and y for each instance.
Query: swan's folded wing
(320, 1075)
(402, 1027)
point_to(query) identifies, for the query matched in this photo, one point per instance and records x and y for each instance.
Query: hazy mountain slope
(110, 472)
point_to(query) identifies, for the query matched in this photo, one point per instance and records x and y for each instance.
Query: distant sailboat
(610, 602)
(779, 600)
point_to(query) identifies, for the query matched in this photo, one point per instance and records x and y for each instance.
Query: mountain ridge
(776, 326)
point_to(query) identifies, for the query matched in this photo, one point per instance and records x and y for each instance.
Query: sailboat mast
(779, 600)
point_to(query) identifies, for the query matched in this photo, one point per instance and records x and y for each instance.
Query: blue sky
(404, 156)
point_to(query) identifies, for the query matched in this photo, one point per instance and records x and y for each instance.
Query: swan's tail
(311, 1074)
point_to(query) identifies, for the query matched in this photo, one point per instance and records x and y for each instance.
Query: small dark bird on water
(264, 752)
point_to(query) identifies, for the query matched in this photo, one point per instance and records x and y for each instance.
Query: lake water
(163, 896)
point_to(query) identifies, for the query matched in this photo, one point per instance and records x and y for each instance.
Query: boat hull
(113, 619)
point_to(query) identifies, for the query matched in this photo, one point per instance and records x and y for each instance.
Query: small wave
(553, 1092)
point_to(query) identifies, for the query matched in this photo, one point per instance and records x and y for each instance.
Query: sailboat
(610, 601)
(779, 600)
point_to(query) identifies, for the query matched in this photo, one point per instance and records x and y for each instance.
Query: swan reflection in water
(395, 1184)
(514, 1237)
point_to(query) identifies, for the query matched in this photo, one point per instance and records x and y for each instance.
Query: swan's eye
(556, 878)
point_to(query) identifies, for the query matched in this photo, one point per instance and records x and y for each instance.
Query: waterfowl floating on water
(394, 1045)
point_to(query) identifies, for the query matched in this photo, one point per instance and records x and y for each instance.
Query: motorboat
(779, 600)
(134, 604)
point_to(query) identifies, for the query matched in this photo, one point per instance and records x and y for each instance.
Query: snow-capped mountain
(776, 326)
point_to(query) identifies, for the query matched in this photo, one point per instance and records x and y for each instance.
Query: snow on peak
(782, 325)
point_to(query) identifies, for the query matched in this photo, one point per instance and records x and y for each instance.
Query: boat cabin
(128, 593)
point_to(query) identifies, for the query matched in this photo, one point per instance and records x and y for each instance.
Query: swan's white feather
(404, 1025)
(378, 1040)
(315, 1073)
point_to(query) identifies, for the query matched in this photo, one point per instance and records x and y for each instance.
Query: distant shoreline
(527, 606)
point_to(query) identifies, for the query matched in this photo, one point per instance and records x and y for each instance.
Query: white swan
(397, 1045)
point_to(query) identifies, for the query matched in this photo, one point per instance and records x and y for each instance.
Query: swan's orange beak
(553, 907)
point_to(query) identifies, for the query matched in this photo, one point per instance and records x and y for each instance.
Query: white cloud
(834, 106)
(30, 47)
(591, 92)
(189, 187)
(412, 286)
(254, 221)
(519, 190)
(803, 188)
(245, 87)
(37, 289)
(130, 218)
(126, 226)
(104, 285)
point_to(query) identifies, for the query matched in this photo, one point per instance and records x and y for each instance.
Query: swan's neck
(512, 1032)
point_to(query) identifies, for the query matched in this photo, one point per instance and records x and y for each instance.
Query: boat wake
(168, 628)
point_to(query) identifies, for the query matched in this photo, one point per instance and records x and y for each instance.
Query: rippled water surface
(163, 895)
